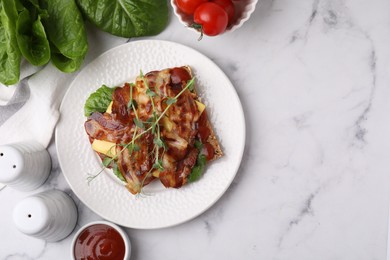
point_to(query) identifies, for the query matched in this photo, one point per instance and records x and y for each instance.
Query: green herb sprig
(154, 127)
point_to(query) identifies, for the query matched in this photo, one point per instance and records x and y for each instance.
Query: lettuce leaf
(66, 32)
(10, 56)
(31, 36)
(98, 101)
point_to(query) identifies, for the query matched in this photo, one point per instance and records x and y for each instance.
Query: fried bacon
(178, 156)
(105, 127)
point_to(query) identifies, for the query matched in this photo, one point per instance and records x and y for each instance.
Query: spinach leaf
(32, 40)
(197, 171)
(127, 18)
(65, 29)
(10, 56)
(117, 172)
(99, 100)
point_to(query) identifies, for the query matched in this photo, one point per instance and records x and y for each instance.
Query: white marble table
(313, 77)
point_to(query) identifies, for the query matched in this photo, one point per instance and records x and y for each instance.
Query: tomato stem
(199, 28)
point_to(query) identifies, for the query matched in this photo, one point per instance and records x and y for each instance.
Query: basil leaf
(10, 56)
(66, 32)
(98, 101)
(127, 18)
(32, 40)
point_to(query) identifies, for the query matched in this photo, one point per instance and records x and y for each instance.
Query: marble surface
(314, 182)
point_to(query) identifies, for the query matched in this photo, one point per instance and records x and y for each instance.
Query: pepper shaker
(49, 215)
(24, 166)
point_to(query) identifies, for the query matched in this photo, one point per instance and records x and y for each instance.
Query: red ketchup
(99, 242)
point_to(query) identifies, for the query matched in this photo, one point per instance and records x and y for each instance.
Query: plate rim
(236, 166)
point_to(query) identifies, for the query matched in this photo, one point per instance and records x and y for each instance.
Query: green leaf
(158, 165)
(64, 63)
(107, 161)
(138, 123)
(32, 40)
(136, 147)
(10, 56)
(127, 18)
(197, 171)
(98, 101)
(117, 172)
(160, 143)
(150, 120)
(65, 29)
(133, 147)
(150, 93)
(171, 101)
(132, 103)
(200, 164)
(198, 145)
(190, 84)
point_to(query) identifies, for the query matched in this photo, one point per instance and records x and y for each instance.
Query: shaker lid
(11, 163)
(31, 215)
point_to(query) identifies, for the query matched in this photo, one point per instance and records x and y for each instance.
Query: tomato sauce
(99, 242)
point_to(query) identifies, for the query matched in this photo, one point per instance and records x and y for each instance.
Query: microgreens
(154, 127)
(138, 123)
(170, 101)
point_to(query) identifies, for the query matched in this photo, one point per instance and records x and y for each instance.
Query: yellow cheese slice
(201, 106)
(109, 108)
(104, 147)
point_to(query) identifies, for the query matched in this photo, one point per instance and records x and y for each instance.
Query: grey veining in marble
(313, 78)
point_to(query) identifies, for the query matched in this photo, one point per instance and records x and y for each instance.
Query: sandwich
(154, 128)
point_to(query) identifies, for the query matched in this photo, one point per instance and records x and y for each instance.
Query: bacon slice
(179, 155)
(136, 167)
(105, 127)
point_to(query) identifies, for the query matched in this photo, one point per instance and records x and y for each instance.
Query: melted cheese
(168, 124)
(104, 147)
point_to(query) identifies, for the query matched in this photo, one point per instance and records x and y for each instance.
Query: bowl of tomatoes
(213, 17)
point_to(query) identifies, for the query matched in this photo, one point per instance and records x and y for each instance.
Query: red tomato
(189, 6)
(228, 6)
(212, 18)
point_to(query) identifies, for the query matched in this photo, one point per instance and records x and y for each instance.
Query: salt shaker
(49, 215)
(24, 166)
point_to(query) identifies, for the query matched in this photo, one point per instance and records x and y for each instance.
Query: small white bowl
(117, 228)
(243, 8)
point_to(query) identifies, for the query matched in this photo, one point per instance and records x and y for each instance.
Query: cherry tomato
(212, 18)
(228, 6)
(189, 6)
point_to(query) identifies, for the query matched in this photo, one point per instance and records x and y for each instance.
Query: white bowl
(243, 8)
(117, 228)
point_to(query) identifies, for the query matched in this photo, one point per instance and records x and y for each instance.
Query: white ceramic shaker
(24, 166)
(49, 215)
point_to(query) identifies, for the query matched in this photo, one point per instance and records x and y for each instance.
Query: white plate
(105, 195)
